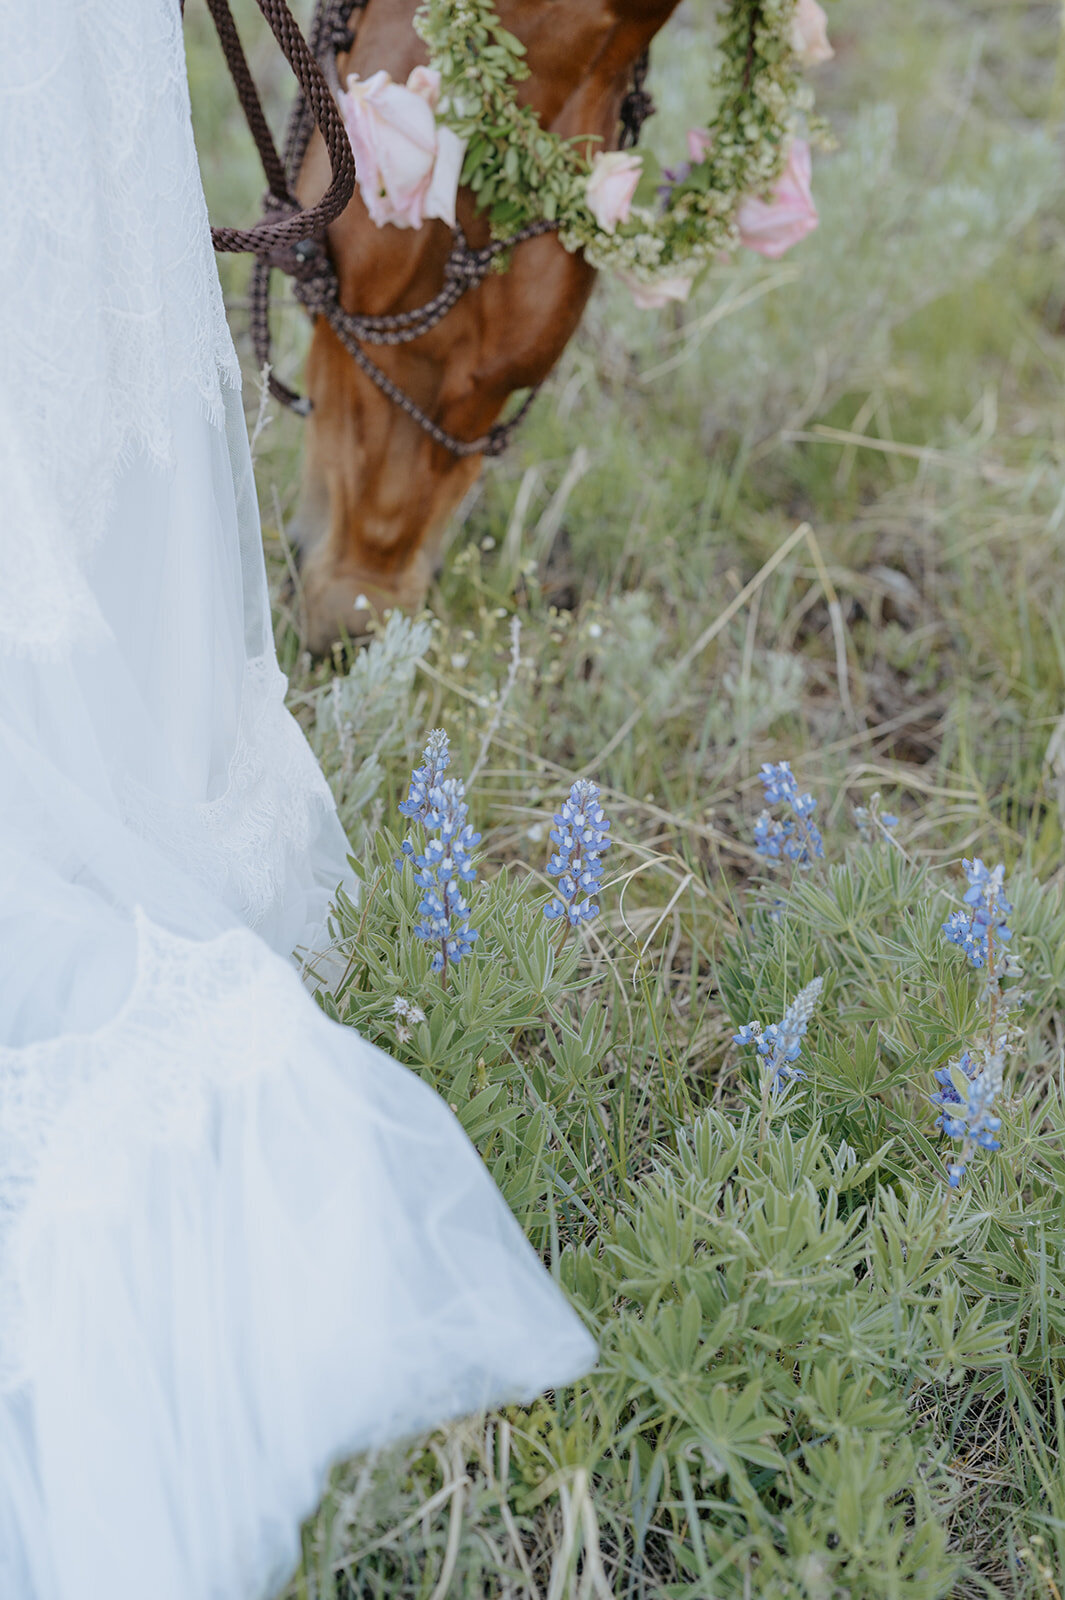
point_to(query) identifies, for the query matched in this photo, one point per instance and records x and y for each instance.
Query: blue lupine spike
(581, 833)
(780, 1043)
(445, 862)
(436, 758)
(983, 931)
(795, 838)
(966, 1101)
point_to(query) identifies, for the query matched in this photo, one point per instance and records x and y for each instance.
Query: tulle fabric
(236, 1242)
(247, 1248)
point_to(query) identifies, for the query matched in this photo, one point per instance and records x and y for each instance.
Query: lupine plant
(780, 1044)
(445, 863)
(983, 932)
(436, 758)
(968, 1115)
(581, 834)
(752, 1278)
(971, 1083)
(793, 838)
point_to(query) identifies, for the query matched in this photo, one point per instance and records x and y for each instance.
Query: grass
(820, 515)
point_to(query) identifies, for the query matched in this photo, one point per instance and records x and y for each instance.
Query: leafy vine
(521, 173)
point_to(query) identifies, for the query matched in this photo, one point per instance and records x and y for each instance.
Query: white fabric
(235, 1241)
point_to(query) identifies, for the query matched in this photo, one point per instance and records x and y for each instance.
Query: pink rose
(408, 167)
(611, 185)
(772, 226)
(809, 34)
(443, 190)
(425, 82)
(699, 142)
(651, 296)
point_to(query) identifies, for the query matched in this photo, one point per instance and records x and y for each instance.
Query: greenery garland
(521, 173)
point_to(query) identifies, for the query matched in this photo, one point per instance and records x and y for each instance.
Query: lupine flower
(435, 761)
(796, 837)
(445, 863)
(780, 1043)
(948, 1093)
(779, 782)
(966, 1100)
(581, 833)
(982, 932)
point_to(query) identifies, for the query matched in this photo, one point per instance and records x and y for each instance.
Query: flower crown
(747, 180)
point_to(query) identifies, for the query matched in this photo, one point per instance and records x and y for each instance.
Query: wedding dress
(236, 1241)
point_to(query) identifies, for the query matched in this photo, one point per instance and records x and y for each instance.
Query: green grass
(818, 1379)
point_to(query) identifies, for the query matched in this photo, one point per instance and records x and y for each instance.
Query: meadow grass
(816, 515)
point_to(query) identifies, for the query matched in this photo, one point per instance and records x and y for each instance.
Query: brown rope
(465, 269)
(286, 225)
(331, 31)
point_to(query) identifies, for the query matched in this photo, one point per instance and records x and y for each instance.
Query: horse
(377, 488)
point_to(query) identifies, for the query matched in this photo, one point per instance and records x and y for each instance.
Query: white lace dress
(235, 1241)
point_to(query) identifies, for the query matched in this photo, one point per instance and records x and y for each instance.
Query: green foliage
(760, 1360)
(789, 1317)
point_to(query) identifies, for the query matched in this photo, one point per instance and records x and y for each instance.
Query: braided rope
(465, 268)
(286, 224)
(331, 31)
(492, 443)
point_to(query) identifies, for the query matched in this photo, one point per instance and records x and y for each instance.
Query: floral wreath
(459, 122)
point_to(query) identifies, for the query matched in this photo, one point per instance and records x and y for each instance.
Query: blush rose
(772, 226)
(408, 167)
(809, 34)
(611, 185)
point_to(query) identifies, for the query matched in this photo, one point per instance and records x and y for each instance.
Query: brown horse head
(377, 490)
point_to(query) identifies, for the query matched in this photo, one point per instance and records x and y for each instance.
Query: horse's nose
(328, 618)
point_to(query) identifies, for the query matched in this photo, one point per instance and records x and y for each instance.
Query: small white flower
(595, 630)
